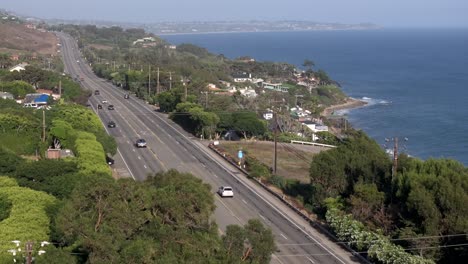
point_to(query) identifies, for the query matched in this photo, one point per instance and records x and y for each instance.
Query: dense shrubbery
(27, 220)
(90, 155)
(425, 198)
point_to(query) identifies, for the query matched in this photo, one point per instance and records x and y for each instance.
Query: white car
(104, 101)
(225, 191)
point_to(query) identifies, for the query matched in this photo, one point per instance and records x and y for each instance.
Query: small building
(6, 95)
(19, 67)
(315, 127)
(275, 87)
(242, 77)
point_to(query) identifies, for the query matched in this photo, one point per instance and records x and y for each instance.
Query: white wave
(372, 101)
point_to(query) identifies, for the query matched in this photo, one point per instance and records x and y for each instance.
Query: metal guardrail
(312, 143)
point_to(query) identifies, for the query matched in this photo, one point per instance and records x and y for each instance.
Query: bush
(27, 221)
(277, 181)
(378, 247)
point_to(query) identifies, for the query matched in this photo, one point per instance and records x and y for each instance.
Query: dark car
(99, 106)
(96, 92)
(110, 160)
(111, 124)
(140, 143)
(110, 107)
(126, 96)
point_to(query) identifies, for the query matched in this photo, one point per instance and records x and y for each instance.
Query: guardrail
(311, 143)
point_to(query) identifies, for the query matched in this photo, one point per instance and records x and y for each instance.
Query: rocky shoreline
(350, 103)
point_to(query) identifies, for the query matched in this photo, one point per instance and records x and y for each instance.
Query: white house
(19, 67)
(315, 127)
(242, 77)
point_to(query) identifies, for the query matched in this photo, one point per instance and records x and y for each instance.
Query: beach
(349, 104)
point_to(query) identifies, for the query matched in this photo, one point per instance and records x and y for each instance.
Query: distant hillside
(18, 38)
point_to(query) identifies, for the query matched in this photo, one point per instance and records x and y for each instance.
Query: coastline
(350, 103)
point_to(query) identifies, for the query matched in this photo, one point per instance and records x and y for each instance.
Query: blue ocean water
(415, 80)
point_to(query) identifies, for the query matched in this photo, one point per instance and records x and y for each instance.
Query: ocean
(415, 80)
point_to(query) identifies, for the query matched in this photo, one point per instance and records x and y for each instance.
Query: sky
(388, 13)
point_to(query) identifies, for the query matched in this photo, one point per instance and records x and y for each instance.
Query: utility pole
(276, 140)
(157, 85)
(206, 98)
(29, 251)
(60, 88)
(149, 79)
(395, 158)
(185, 92)
(43, 125)
(170, 81)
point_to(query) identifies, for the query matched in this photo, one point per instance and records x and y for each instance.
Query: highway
(171, 147)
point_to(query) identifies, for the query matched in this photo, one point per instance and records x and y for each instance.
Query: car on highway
(110, 107)
(99, 106)
(96, 92)
(225, 191)
(126, 96)
(111, 124)
(140, 143)
(104, 101)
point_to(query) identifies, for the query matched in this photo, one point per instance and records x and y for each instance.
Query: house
(6, 95)
(35, 100)
(147, 39)
(14, 57)
(19, 67)
(315, 127)
(275, 87)
(242, 77)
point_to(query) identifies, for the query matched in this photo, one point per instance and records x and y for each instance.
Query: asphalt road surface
(168, 146)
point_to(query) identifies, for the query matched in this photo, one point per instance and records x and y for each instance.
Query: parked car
(225, 191)
(111, 124)
(140, 143)
(109, 160)
(110, 107)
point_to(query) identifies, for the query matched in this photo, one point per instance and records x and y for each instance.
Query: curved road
(170, 147)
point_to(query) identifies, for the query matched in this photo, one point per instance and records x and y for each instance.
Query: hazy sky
(389, 13)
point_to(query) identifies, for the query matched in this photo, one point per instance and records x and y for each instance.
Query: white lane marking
(261, 216)
(277, 258)
(311, 261)
(244, 201)
(133, 150)
(128, 142)
(145, 166)
(193, 157)
(216, 176)
(177, 142)
(281, 234)
(139, 157)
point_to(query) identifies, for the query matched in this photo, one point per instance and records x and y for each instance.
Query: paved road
(171, 147)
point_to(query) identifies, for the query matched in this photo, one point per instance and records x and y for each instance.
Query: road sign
(240, 154)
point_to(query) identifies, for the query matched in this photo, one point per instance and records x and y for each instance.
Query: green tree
(248, 124)
(253, 243)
